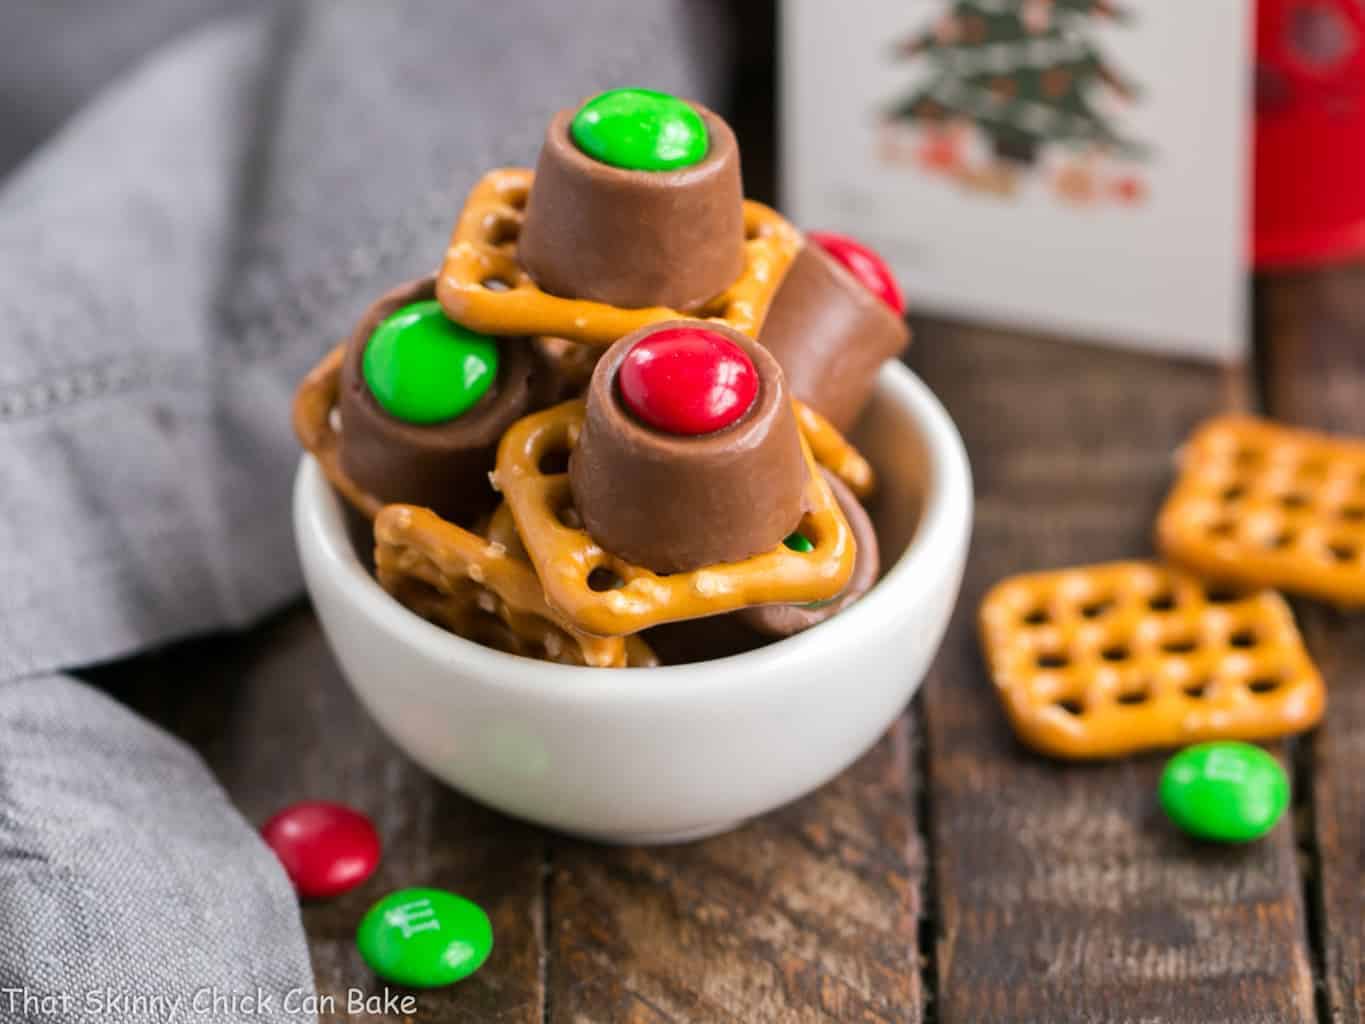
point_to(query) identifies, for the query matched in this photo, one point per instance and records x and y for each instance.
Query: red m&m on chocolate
(864, 264)
(687, 380)
(325, 848)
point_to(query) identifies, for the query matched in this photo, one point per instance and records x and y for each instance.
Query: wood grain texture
(1062, 893)
(1311, 329)
(805, 915)
(271, 714)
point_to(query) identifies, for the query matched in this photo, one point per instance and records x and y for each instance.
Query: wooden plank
(1312, 336)
(1062, 893)
(808, 914)
(276, 722)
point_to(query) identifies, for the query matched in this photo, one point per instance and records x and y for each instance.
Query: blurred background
(853, 98)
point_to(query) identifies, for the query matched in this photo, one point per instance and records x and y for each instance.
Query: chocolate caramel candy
(780, 620)
(423, 403)
(835, 319)
(690, 453)
(636, 236)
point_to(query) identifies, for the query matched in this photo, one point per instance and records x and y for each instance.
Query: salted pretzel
(315, 425)
(486, 628)
(462, 617)
(1260, 504)
(502, 529)
(475, 574)
(1105, 660)
(833, 451)
(603, 594)
(482, 285)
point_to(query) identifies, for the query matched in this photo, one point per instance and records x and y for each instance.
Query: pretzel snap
(461, 616)
(602, 594)
(833, 451)
(1264, 505)
(482, 285)
(1105, 660)
(477, 575)
(314, 424)
(487, 629)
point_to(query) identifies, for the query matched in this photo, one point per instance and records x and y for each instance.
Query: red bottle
(1310, 132)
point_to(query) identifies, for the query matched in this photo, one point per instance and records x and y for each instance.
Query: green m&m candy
(799, 542)
(424, 937)
(1227, 791)
(640, 130)
(424, 368)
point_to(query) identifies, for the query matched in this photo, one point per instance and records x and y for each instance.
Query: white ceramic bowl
(678, 752)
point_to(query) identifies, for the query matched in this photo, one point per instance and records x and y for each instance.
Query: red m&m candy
(325, 848)
(687, 380)
(864, 264)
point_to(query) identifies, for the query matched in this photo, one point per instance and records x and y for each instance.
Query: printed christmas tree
(1022, 72)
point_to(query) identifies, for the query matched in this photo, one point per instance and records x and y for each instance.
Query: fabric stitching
(99, 380)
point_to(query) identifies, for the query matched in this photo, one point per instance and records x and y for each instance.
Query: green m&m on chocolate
(1229, 792)
(424, 938)
(424, 368)
(640, 130)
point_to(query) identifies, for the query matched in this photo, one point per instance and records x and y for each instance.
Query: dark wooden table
(950, 875)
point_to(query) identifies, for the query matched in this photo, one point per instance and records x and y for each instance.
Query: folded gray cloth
(129, 888)
(170, 264)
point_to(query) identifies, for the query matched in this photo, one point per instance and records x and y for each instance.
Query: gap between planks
(1310, 328)
(1064, 895)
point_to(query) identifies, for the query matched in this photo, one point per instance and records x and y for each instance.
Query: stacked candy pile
(618, 404)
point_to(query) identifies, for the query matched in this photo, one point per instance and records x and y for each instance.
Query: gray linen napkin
(171, 263)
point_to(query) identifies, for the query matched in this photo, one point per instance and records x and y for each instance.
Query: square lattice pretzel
(1105, 660)
(483, 286)
(458, 579)
(632, 598)
(1263, 505)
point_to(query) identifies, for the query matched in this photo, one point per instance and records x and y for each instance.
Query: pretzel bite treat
(484, 285)
(601, 593)
(837, 316)
(590, 349)
(637, 202)
(419, 402)
(694, 421)
(788, 619)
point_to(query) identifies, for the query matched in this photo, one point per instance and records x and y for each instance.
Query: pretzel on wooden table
(1105, 660)
(1260, 504)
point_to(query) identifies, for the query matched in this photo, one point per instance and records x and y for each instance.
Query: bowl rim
(940, 540)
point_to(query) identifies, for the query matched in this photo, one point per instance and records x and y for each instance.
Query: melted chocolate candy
(635, 238)
(672, 502)
(443, 466)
